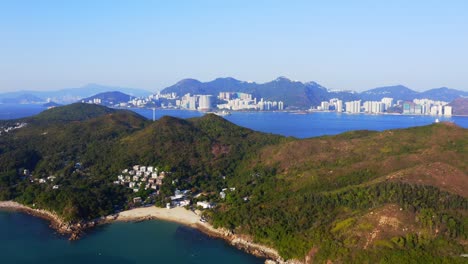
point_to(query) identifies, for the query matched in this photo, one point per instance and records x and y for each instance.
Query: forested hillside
(393, 196)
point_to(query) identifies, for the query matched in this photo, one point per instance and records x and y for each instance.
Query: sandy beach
(178, 214)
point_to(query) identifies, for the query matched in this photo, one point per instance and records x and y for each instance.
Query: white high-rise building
(339, 106)
(280, 105)
(447, 110)
(193, 103)
(388, 102)
(353, 106)
(204, 102)
(325, 106)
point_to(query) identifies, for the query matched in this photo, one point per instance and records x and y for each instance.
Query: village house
(205, 205)
(51, 178)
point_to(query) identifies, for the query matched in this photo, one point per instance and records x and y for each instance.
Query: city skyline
(51, 45)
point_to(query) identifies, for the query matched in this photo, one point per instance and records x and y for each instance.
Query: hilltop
(109, 98)
(460, 106)
(360, 196)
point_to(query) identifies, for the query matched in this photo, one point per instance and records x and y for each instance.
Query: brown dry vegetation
(435, 155)
(442, 175)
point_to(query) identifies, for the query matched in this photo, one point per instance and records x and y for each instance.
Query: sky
(349, 45)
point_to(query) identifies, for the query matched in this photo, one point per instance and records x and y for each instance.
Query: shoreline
(56, 222)
(178, 215)
(191, 219)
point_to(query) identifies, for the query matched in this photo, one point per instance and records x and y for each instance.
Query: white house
(205, 205)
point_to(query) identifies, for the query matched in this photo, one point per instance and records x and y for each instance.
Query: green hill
(362, 196)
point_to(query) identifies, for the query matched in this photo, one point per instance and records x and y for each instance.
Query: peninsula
(361, 196)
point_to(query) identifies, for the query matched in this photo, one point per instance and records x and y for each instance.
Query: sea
(27, 239)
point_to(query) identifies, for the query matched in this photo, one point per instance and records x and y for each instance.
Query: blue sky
(355, 45)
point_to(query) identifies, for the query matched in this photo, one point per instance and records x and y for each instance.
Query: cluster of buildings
(244, 101)
(202, 102)
(372, 107)
(427, 107)
(92, 101)
(180, 198)
(195, 102)
(183, 198)
(147, 177)
(4, 130)
(417, 106)
(50, 179)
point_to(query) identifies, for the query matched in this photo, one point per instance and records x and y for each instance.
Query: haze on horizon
(350, 45)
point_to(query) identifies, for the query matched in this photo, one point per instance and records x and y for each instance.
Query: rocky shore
(56, 222)
(245, 244)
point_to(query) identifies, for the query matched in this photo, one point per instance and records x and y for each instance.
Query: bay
(27, 239)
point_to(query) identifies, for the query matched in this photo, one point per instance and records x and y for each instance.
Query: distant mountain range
(294, 94)
(400, 92)
(110, 98)
(66, 96)
(304, 95)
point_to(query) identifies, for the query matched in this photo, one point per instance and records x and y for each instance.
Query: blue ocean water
(314, 124)
(282, 123)
(12, 111)
(26, 239)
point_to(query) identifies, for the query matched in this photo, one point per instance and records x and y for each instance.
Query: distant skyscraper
(339, 106)
(353, 106)
(204, 102)
(388, 102)
(280, 105)
(325, 105)
(193, 103)
(447, 110)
